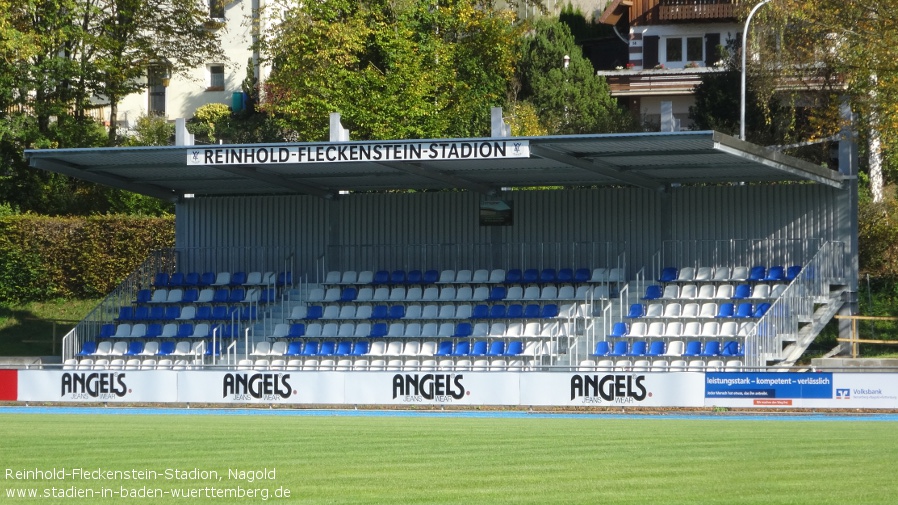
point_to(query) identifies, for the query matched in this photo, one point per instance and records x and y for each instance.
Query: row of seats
(130, 364)
(694, 310)
(451, 294)
(714, 291)
(757, 273)
(416, 330)
(169, 330)
(660, 365)
(480, 276)
(198, 280)
(497, 347)
(150, 348)
(677, 329)
(177, 296)
(187, 313)
(677, 348)
(432, 312)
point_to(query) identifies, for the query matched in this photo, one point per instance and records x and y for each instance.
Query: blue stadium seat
(565, 276)
(479, 348)
(360, 348)
(549, 310)
(515, 311)
(207, 279)
(430, 277)
(547, 276)
(166, 348)
(380, 312)
(444, 349)
(513, 276)
(742, 292)
(172, 312)
(657, 348)
(160, 280)
(381, 277)
(668, 274)
(191, 295)
(480, 311)
(154, 330)
(236, 295)
(757, 273)
(726, 310)
(582, 275)
(269, 295)
(792, 272)
(462, 348)
(297, 330)
(203, 313)
(620, 329)
(192, 279)
(185, 330)
(397, 277)
(249, 313)
(125, 313)
(134, 348)
(314, 312)
(294, 349)
(693, 348)
(532, 311)
(284, 279)
(310, 348)
(141, 313)
(636, 310)
(213, 349)
(731, 348)
(760, 310)
(463, 330)
(379, 330)
(107, 330)
(530, 276)
(88, 348)
(776, 273)
(639, 348)
(602, 349)
(497, 348)
(221, 295)
(498, 312)
(515, 348)
(497, 293)
(712, 348)
(221, 313)
(743, 310)
(414, 277)
(653, 292)
(621, 347)
(344, 348)
(349, 294)
(176, 280)
(237, 279)
(157, 313)
(327, 348)
(396, 312)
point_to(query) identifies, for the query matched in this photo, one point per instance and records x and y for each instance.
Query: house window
(674, 49)
(216, 9)
(216, 78)
(694, 49)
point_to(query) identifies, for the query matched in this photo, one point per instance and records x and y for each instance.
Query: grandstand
(686, 251)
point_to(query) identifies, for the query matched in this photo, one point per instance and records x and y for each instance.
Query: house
(672, 43)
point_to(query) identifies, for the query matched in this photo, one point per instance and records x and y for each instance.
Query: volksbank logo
(610, 388)
(843, 394)
(439, 387)
(101, 385)
(258, 386)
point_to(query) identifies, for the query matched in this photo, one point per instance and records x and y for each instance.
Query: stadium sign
(353, 152)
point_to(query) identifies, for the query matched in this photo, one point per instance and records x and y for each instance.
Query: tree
(569, 98)
(393, 69)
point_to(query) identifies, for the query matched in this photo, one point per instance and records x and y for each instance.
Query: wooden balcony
(655, 82)
(696, 10)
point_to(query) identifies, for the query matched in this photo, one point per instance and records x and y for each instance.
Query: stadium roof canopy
(486, 165)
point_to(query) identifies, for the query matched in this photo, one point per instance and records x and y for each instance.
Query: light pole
(744, 51)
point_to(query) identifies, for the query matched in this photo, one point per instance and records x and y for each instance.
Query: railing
(735, 252)
(652, 81)
(679, 10)
(796, 305)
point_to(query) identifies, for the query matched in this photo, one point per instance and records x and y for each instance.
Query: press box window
(216, 78)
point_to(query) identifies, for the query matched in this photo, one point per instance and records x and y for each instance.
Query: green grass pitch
(422, 459)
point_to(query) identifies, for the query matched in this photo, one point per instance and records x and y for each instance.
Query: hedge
(43, 258)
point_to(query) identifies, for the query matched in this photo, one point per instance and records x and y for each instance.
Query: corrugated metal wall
(551, 228)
